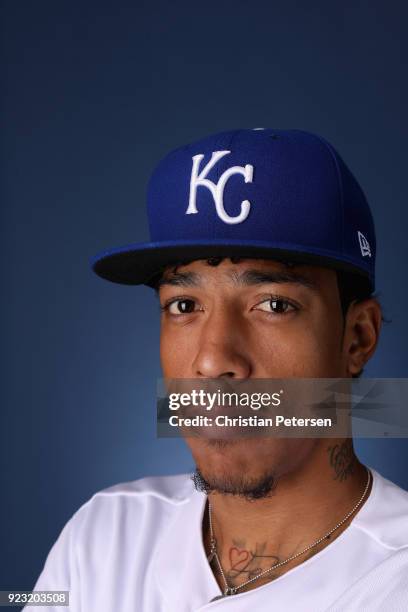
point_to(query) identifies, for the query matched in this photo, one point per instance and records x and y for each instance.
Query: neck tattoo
(233, 590)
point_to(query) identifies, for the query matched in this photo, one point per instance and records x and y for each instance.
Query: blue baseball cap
(253, 193)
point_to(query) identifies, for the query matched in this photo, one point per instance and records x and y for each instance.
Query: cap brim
(139, 264)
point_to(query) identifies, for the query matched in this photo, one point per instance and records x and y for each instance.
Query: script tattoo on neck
(342, 459)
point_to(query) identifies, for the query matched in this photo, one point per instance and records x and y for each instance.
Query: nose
(221, 350)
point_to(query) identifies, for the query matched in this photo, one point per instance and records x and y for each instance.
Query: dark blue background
(94, 93)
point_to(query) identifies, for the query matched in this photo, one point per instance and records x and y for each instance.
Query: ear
(361, 337)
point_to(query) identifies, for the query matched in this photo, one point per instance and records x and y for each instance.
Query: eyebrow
(259, 277)
(180, 279)
(246, 278)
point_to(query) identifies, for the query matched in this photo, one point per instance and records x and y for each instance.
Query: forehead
(249, 272)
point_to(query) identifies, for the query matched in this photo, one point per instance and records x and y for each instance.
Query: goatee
(240, 486)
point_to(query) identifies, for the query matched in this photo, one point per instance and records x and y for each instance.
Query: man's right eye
(181, 306)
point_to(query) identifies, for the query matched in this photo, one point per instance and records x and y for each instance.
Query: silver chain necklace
(232, 590)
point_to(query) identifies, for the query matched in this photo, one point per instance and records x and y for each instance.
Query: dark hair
(352, 288)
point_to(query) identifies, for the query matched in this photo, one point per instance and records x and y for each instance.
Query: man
(262, 255)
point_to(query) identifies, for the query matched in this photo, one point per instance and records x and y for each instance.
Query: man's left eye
(275, 305)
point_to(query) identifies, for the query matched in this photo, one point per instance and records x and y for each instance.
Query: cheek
(166, 355)
(175, 351)
(303, 350)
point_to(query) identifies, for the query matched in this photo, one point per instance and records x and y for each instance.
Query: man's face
(252, 319)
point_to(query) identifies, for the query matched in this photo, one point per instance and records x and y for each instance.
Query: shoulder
(126, 512)
(170, 489)
(113, 524)
(144, 503)
(161, 492)
(384, 517)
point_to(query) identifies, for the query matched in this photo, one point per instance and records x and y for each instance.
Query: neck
(304, 505)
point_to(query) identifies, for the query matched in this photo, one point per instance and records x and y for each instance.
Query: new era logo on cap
(364, 245)
(251, 193)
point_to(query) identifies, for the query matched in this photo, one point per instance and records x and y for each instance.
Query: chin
(243, 465)
(236, 461)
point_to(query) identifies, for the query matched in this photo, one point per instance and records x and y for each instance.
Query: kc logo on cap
(217, 189)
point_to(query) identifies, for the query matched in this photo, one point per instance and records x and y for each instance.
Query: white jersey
(137, 547)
